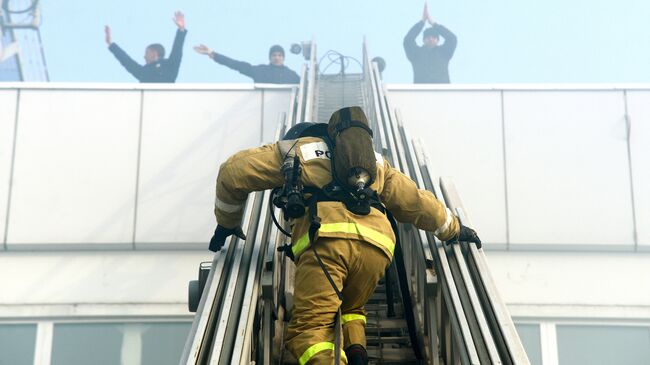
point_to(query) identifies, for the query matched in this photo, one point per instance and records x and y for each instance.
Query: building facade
(106, 196)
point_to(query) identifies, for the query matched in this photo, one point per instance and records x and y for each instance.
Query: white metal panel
(607, 279)
(638, 107)
(462, 135)
(84, 277)
(276, 101)
(74, 174)
(567, 166)
(185, 137)
(7, 123)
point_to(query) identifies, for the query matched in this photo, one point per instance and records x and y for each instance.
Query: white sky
(499, 41)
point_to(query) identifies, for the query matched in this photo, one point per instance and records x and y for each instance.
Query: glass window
(86, 343)
(603, 345)
(162, 343)
(531, 339)
(119, 343)
(17, 342)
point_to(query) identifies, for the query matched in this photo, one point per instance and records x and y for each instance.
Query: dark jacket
(163, 70)
(430, 65)
(270, 74)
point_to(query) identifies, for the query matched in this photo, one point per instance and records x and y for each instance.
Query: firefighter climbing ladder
(436, 305)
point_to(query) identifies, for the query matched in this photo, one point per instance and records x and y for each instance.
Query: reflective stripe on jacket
(259, 169)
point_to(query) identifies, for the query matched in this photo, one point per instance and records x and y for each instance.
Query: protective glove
(220, 235)
(466, 234)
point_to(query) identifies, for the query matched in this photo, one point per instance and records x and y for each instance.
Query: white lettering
(314, 150)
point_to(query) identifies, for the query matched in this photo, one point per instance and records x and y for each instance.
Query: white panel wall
(77, 161)
(185, 137)
(552, 278)
(75, 168)
(77, 158)
(80, 156)
(638, 104)
(38, 278)
(276, 101)
(462, 134)
(7, 122)
(568, 176)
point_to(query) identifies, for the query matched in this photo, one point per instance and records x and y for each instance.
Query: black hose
(406, 293)
(335, 58)
(275, 220)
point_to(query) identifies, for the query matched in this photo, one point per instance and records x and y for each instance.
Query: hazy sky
(499, 41)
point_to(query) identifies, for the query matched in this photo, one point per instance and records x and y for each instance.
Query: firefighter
(344, 242)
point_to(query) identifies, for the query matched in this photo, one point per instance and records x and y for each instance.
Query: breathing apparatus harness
(293, 197)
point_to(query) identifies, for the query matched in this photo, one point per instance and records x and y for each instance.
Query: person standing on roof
(273, 73)
(343, 242)
(157, 68)
(431, 60)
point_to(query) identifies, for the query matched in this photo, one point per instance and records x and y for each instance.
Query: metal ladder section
(457, 316)
(460, 317)
(336, 91)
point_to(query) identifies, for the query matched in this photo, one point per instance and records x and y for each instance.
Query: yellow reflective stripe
(362, 231)
(353, 228)
(352, 317)
(314, 349)
(299, 246)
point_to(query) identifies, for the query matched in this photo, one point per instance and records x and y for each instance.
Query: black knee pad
(356, 355)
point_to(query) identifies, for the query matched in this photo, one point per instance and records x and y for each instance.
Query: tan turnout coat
(259, 169)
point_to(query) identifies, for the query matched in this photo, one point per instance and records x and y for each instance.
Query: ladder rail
(299, 109)
(470, 352)
(501, 324)
(311, 85)
(199, 341)
(223, 338)
(372, 98)
(248, 308)
(461, 333)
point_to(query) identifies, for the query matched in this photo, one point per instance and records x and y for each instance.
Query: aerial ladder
(21, 51)
(437, 303)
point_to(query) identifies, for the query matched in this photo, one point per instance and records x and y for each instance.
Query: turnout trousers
(355, 267)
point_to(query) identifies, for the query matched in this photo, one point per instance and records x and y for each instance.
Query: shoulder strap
(340, 127)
